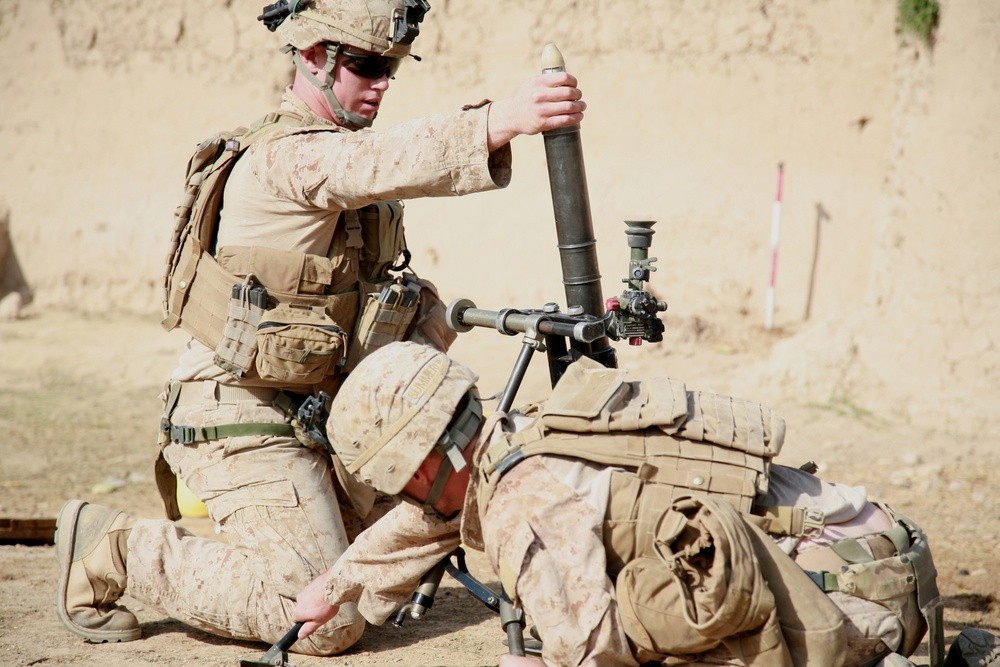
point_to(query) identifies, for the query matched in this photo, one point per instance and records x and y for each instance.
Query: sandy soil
(75, 427)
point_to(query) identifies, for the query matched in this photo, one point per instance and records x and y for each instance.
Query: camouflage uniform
(273, 499)
(543, 534)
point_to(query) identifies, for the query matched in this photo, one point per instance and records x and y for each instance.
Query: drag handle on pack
(277, 655)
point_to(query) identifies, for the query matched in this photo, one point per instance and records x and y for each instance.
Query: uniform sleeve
(429, 157)
(546, 545)
(384, 565)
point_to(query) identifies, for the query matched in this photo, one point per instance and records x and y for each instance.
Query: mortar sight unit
(567, 335)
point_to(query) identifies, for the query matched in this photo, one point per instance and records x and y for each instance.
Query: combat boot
(91, 544)
(974, 647)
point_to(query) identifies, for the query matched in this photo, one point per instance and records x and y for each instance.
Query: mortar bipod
(511, 617)
(544, 330)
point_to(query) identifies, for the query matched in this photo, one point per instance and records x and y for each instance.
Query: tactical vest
(665, 443)
(268, 313)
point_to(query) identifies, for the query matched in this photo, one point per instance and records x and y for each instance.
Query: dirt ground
(78, 410)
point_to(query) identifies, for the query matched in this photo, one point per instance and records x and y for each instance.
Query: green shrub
(919, 17)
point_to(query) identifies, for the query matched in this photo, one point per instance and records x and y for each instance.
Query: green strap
(189, 434)
(851, 550)
(827, 581)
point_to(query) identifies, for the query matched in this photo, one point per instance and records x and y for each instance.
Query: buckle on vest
(813, 523)
(184, 435)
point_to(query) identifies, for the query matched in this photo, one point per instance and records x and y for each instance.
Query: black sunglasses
(370, 66)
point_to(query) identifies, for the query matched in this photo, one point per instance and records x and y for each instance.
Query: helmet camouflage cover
(392, 409)
(386, 27)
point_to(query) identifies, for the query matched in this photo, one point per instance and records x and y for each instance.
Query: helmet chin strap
(451, 445)
(351, 121)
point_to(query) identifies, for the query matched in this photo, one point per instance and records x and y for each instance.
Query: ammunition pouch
(388, 312)
(237, 349)
(383, 240)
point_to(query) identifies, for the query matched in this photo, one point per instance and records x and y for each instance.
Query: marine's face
(361, 80)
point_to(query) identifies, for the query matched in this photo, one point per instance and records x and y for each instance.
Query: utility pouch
(238, 345)
(386, 318)
(299, 346)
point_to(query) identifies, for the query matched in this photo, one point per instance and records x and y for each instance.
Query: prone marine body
(632, 521)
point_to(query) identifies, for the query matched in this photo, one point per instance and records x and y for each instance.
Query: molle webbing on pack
(594, 399)
(712, 441)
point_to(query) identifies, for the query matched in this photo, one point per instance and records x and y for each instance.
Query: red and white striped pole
(775, 232)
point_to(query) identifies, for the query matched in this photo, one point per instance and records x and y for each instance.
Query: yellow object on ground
(188, 503)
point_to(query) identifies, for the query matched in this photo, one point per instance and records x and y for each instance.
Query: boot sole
(65, 539)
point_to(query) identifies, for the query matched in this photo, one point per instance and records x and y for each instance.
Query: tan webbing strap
(795, 521)
(899, 536)
(502, 449)
(424, 385)
(352, 225)
(173, 393)
(631, 413)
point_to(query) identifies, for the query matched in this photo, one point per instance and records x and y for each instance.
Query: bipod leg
(512, 621)
(517, 375)
(423, 597)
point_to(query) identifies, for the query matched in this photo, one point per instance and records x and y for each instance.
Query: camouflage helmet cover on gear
(364, 24)
(392, 409)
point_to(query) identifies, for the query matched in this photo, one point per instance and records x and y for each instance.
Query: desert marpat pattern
(272, 498)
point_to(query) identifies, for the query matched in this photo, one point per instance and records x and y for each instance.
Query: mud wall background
(888, 284)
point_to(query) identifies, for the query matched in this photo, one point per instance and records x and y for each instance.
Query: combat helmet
(399, 404)
(385, 27)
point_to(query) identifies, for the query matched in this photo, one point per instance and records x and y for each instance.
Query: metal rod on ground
(775, 232)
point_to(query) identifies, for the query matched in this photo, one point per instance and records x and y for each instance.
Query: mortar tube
(574, 226)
